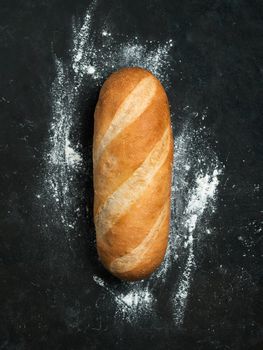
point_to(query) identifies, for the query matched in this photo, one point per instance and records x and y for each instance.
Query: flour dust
(93, 56)
(137, 300)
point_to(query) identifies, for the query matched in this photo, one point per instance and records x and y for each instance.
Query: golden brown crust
(130, 149)
(131, 122)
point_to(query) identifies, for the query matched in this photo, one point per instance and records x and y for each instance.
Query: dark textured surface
(44, 306)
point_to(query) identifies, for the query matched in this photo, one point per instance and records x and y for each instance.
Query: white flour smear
(195, 181)
(201, 196)
(196, 167)
(136, 303)
(132, 304)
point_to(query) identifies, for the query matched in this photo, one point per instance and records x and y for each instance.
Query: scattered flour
(71, 156)
(203, 192)
(108, 54)
(196, 167)
(105, 33)
(131, 305)
(135, 303)
(99, 281)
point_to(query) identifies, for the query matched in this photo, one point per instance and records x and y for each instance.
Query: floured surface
(54, 293)
(196, 171)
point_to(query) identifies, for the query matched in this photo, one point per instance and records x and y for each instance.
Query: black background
(47, 303)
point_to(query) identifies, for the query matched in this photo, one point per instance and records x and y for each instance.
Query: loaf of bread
(132, 165)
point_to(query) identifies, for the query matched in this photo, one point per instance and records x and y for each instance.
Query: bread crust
(132, 168)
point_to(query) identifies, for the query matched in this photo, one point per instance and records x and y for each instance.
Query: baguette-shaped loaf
(132, 165)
